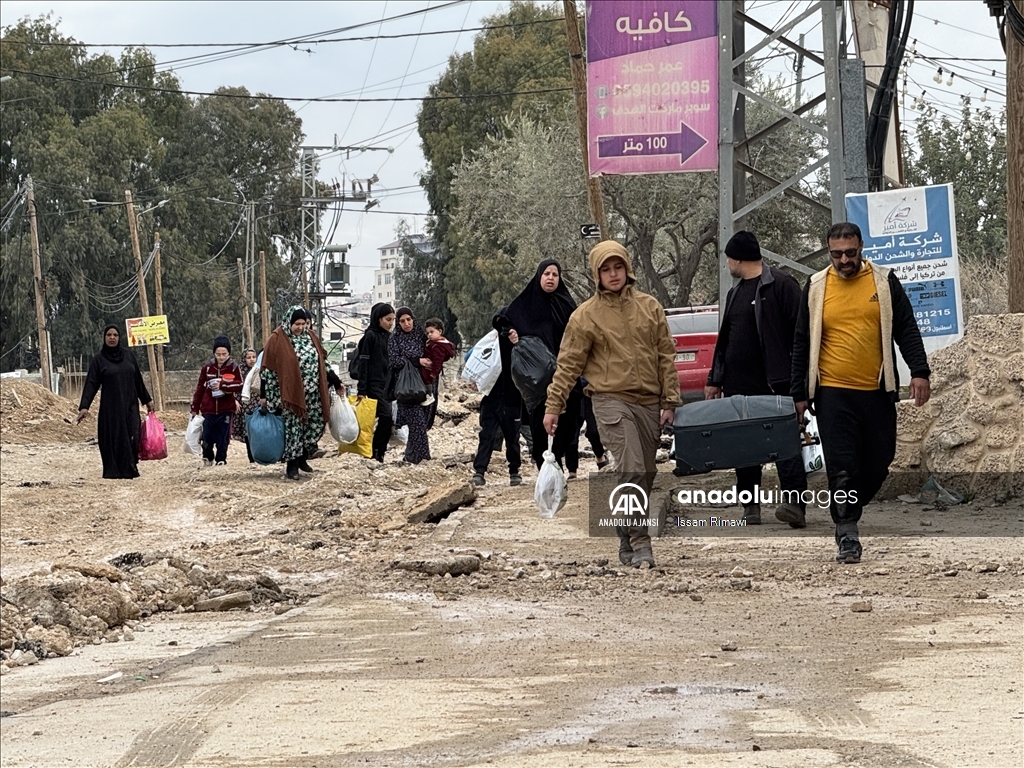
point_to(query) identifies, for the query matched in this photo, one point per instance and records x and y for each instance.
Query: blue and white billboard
(913, 231)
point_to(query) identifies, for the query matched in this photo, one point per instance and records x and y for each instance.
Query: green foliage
(80, 134)
(526, 198)
(529, 57)
(970, 154)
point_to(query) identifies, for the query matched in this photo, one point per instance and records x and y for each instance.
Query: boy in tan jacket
(619, 341)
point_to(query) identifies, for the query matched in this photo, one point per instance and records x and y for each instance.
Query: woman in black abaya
(116, 371)
(543, 310)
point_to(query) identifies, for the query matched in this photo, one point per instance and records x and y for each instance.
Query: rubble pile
(76, 603)
(971, 433)
(30, 413)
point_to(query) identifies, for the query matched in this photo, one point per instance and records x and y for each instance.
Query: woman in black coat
(543, 310)
(407, 346)
(116, 371)
(375, 373)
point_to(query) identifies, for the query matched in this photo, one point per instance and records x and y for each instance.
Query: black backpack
(357, 363)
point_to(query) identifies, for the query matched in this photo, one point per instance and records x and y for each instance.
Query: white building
(390, 260)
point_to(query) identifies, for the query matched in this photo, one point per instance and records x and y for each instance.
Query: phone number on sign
(677, 88)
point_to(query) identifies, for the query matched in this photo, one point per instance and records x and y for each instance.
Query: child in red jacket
(219, 381)
(438, 350)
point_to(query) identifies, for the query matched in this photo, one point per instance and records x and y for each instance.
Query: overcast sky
(404, 67)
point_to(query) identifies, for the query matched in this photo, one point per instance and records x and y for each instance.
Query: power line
(279, 44)
(265, 97)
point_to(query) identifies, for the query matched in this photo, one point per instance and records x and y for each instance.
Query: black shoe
(625, 551)
(849, 550)
(793, 514)
(752, 514)
(643, 558)
(515, 479)
(303, 465)
(292, 472)
(477, 479)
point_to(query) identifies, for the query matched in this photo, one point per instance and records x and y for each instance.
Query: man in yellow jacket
(619, 341)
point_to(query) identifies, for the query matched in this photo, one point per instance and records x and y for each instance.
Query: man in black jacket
(752, 357)
(844, 369)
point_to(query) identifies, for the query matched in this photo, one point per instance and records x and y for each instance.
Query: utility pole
(1015, 168)
(133, 228)
(246, 327)
(159, 310)
(264, 305)
(799, 71)
(40, 290)
(579, 87)
(305, 287)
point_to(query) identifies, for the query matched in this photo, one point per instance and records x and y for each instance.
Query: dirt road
(732, 652)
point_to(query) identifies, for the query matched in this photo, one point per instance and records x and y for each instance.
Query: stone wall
(970, 435)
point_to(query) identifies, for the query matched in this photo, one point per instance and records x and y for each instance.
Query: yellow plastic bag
(366, 415)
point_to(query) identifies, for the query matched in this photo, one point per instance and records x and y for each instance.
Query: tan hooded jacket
(619, 342)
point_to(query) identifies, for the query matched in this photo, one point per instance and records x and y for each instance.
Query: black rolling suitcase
(737, 431)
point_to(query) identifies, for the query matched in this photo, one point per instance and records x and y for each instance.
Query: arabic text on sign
(653, 27)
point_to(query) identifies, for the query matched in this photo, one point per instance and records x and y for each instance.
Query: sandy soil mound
(31, 414)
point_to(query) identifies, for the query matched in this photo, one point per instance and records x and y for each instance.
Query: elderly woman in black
(408, 344)
(543, 310)
(115, 370)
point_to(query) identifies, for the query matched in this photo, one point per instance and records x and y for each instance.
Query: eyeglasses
(850, 253)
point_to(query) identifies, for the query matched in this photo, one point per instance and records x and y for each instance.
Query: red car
(695, 331)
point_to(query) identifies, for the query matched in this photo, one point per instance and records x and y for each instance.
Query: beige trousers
(632, 433)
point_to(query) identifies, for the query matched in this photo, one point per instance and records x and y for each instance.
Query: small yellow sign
(147, 330)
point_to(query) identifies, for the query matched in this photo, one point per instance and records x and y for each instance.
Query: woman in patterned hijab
(295, 380)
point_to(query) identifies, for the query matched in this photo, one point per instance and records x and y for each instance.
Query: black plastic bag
(409, 386)
(533, 367)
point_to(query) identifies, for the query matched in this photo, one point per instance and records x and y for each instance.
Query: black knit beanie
(743, 247)
(222, 341)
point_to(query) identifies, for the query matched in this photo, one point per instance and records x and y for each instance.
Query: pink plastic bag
(152, 441)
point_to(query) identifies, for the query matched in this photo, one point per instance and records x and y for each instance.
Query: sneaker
(793, 514)
(319, 453)
(428, 401)
(643, 558)
(572, 475)
(514, 479)
(477, 479)
(752, 514)
(849, 550)
(222, 463)
(602, 464)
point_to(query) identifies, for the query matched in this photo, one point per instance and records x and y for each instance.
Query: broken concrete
(437, 503)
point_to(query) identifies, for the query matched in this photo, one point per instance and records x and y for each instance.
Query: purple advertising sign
(652, 86)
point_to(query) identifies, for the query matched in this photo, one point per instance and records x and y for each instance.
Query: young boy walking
(619, 341)
(438, 351)
(219, 381)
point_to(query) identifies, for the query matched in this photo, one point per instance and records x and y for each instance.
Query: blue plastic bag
(266, 436)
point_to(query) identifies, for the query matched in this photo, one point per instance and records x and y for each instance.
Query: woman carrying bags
(374, 379)
(543, 310)
(115, 370)
(408, 347)
(294, 378)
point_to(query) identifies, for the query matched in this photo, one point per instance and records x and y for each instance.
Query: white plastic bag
(399, 435)
(551, 489)
(252, 380)
(193, 434)
(484, 364)
(343, 423)
(811, 453)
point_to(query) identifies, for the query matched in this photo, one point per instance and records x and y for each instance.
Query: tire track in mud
(177, 742)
